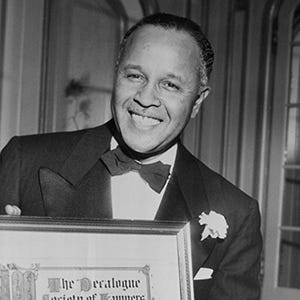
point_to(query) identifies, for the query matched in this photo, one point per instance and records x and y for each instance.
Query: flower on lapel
(215, 225)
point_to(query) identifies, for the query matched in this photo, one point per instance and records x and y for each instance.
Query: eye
(136, 77)
(171, 86)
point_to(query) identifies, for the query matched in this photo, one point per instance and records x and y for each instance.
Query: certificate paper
(51, 259)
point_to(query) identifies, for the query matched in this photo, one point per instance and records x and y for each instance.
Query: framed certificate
(76, 259)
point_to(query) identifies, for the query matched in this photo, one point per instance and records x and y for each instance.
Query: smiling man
(158, 87)
(135, 167)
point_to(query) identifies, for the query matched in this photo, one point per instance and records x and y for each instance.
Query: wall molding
(2, 38)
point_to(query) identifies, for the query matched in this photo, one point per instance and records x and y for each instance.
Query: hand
(12, 210)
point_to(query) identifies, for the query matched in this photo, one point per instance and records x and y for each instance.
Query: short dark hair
(169, 21)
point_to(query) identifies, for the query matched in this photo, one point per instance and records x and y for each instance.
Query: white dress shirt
(132, 197)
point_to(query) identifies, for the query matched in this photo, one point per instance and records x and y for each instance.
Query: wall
(21, 68)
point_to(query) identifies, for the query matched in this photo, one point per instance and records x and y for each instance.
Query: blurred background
(56, 73)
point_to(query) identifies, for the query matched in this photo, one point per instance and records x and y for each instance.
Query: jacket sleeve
(9, 175)
(237, 276)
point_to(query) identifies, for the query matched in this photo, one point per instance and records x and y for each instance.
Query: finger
(12, 210)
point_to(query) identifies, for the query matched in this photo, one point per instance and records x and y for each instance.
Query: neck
(131, 152)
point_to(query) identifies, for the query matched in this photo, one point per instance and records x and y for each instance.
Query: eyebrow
(132, 66)
(176, 77)
(168, 75)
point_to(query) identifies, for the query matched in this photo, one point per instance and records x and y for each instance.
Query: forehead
(156, 37)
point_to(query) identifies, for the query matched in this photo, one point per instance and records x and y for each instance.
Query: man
(161, 79)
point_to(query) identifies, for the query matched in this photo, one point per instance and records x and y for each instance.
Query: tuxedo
(62, 175)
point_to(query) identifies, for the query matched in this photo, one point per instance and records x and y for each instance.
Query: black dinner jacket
(62, 175)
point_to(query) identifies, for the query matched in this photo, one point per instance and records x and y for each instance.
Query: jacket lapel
(86, 153)
(82, 179)
(173, 206)
(193, 192)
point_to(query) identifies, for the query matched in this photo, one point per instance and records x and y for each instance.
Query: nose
(147, 96)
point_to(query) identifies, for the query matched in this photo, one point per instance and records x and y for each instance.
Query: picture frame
(90, 259)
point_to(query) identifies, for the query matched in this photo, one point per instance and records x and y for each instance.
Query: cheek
(179, 112)
(120, 91)
(123, 97)
(124, 87)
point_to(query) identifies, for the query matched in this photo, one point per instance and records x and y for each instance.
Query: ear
(203, 94)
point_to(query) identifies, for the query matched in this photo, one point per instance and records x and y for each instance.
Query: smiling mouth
(142, 120)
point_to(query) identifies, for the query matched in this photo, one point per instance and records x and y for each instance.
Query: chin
(139, 147)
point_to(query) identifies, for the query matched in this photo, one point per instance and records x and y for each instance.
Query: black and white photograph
(149, 149)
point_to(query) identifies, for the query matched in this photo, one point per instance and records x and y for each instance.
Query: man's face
(157, 87)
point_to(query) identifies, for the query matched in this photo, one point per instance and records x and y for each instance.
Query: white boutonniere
(215, 225)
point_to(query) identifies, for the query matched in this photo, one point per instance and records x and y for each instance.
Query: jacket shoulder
(47, 147)
(52, 142)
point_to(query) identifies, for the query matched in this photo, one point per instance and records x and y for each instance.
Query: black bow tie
(118, 163)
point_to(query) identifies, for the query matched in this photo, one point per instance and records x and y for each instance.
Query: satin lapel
(173, 207)
(82, 179)
(193, 187)
(58, 194)
(85, 155)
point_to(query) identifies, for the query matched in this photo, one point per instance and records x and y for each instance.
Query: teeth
(144, 121)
